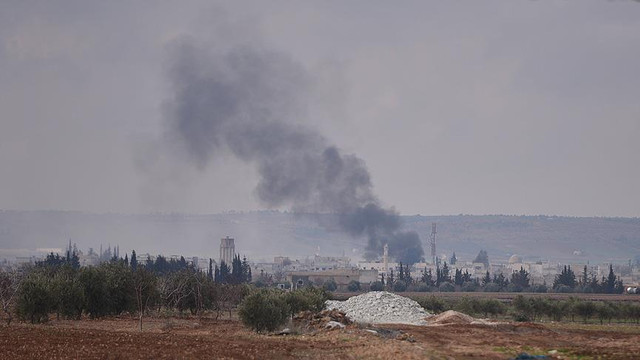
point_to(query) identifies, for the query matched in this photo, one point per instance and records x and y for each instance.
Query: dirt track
(208, 338)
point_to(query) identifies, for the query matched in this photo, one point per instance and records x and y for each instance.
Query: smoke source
(245, 101)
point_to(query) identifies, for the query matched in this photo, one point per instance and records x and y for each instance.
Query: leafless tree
(9, 284)
(145, 288)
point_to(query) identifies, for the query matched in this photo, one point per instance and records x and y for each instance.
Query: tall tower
(386, 259)
(227, 250)
(432, 241)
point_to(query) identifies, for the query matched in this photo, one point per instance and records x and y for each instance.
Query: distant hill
(264, 234)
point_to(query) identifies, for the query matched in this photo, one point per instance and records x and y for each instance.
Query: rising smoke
(245, 101)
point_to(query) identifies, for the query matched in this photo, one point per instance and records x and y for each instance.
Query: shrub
(433, 304)
(399, 286)
(354, 286)
(514, 288)
(469, 286)
(308, 298)
(540, 288)
(557, 309)
(264, 310)
(520, 317)
(423, 287)
(330, 285)
(376, 286)
(447, 287)
(490, 307)
(522, 306)
(586, 309)
(491, 287)
(468, 306)
(564, 289)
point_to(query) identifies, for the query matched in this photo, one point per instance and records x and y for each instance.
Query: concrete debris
(381, 307)
(319, 320)
(334, 325)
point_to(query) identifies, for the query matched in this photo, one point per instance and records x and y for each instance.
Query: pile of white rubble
(381, 307)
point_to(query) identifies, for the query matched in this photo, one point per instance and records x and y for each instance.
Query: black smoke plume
(245, 101)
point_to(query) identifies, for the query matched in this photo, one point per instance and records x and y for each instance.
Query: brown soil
(193, 338)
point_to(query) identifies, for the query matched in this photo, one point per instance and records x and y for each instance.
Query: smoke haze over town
(368, 109)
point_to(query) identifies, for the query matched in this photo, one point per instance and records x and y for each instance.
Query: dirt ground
(194, 338)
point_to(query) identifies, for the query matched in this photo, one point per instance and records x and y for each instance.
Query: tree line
(444, 280)
(59, 286)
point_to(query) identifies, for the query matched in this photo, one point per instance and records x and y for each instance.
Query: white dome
(515, 259)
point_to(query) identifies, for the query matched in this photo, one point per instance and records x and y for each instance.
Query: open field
(182, 338)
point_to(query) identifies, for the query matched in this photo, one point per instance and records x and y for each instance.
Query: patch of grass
(614, 327)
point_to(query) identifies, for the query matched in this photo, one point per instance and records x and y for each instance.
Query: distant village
(288, 272)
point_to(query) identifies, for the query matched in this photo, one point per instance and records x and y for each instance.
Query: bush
(306, 299)
(376, 286)
(423, 287)
(35, 299)
(469, 286)
(490, 307)
(491, 287)
(264, 310)
(520, 317)
(447, 287)
(564, 289)
(539, 288)
(586, 309)
(433, 304)
(354, 286)
(514, 288)
(399, 286)
(330, 285)
(468, 306)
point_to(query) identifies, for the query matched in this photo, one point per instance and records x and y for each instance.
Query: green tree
(453, 259)
(486, 279)
(35, 301)
(134, 261)
(520, 278)
(96, 293)
(68, 292)
(399, 286)
(264, 310)
(330, 285)
(353, 286)
(566, 277)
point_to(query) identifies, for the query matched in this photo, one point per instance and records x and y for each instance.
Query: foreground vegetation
(523, 308)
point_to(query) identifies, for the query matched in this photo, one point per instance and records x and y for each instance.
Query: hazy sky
(476, 107)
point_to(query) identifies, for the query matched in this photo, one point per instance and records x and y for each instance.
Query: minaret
(386, 259)
(227, 250)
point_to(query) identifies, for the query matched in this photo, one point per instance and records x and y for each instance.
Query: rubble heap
(322, 319)
(381, 307)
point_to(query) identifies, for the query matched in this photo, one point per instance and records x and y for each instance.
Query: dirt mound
(451, 317)
(320, 320)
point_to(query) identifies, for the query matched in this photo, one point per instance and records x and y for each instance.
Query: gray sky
(477, 107)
